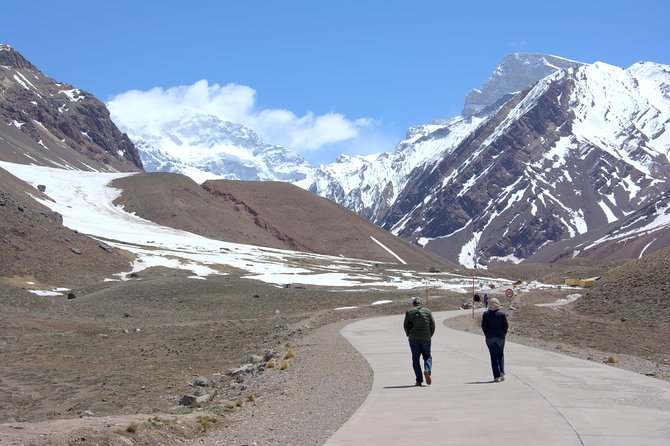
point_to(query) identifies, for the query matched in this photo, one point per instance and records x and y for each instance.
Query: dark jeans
(420, 348)
(496, 350)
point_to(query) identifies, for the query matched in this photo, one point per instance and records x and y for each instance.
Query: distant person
(494, 325)
(486, 300)
(477, 299)
(419, 327)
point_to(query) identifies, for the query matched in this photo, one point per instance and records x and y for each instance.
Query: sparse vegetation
(205, 422)
(158, 421)
(283, 365)
(132, 428)
(270, 364)
(183, 410)
(289, 354)
(229, 406)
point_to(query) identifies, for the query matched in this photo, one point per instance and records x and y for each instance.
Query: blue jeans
(496, 350)
(420, 348)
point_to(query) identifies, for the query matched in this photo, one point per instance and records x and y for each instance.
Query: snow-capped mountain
(551, 158)
(206, 147)
(576, 152)
(547, 150)
(516, 72)
(579, 150)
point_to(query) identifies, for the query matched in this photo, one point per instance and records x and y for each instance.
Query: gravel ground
(323, 385)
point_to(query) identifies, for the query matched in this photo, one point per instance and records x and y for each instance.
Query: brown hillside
(638, 291)
(176, 201)
(36, 247)
(271, 214)
(320, 225)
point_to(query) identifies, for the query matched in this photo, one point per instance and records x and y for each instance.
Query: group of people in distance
(419, 326)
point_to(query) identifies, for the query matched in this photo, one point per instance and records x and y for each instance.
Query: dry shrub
(204, 422)
(270, 364)
(289, 354)
(132, 428)
(283, 365)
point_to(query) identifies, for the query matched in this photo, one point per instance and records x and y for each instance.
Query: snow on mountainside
(515, 73)
(47, 122)
(205, 147)
(548, 150)
(582, 149)
(371, 185)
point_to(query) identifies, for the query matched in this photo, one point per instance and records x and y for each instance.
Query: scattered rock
(87, 414)
(105, 246)
(255, 359)
(71, 296)
(202, 382)
(76, 250)
(41, 187)
(188, 400)
(246, 368)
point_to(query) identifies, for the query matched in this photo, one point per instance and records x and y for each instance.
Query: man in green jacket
(419, 327)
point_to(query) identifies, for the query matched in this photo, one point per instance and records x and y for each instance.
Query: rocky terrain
(54, 123)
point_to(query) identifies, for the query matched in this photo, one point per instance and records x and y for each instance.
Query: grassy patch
(204, 422)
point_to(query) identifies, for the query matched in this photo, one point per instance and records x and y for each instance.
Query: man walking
(419, 327)
(494, 326)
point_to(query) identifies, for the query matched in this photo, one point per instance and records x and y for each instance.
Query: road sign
(509, 292)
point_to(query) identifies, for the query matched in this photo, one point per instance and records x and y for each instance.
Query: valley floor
(122, 358)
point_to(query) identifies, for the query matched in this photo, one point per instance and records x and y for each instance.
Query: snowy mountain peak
(206, 147)
(516, 72)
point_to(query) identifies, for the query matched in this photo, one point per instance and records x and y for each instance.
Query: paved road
(547, 399)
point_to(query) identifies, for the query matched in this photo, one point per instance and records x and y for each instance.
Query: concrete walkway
(547, 399)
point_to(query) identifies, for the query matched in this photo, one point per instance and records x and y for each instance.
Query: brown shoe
(429, 380)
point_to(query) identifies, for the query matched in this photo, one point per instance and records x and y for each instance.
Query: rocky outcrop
(515, 73)
(58, 118)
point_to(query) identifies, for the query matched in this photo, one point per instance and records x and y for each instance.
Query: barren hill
(272, 214)
(36, 247)
(638, 291)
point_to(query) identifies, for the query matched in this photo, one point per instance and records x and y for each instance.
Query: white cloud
(137, 109)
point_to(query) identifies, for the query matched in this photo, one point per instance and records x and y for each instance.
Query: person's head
(416, 301)
(494, 304)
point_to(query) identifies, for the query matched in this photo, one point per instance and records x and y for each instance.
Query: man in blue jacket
(494, 325)
(419, 327)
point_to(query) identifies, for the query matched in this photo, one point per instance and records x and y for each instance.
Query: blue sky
(322, 77)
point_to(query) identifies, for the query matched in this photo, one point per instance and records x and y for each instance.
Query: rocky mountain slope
(56, 124)
(579, 150)
(574, 159)
(206, 147)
